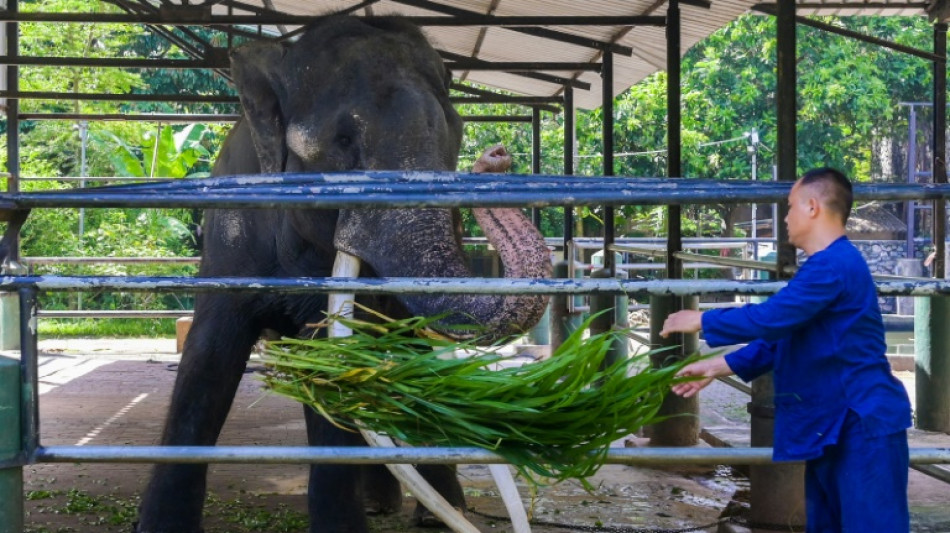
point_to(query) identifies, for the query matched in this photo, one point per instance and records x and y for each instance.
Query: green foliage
(168, 154)
(849, 98)
(135, 149)
(53, 328)
(555, 418)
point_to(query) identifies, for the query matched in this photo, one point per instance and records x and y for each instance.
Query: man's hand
(687, 321)
(708, 369)
(495, 159)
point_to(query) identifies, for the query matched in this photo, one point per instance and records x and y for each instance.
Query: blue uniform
(824, 338)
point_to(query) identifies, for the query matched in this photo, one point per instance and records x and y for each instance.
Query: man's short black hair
(835, 189)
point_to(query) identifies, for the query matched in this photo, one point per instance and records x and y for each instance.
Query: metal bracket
(17, 217)
(16, 461)
(938, 10)
(761, 410)
(186, 13)
(217, 57)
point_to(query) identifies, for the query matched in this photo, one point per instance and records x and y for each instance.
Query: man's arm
(748, 362)
(812, 290)
(707, 369)
(686, 321)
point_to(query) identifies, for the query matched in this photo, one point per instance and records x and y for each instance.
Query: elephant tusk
(422, 490)
(348, 266)
(340, 303)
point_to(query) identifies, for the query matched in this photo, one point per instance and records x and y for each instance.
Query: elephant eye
(344, 140)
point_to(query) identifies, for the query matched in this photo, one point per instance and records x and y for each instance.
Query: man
(837, 405)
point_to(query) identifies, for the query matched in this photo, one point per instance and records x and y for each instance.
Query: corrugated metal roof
(509, 45)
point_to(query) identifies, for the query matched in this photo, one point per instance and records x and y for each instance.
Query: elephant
(349, 94)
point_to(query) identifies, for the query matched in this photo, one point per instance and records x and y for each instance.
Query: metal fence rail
(915, 287)
(407, 455)
(387, 189)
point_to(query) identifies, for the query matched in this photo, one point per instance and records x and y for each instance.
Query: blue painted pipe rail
(438, 189)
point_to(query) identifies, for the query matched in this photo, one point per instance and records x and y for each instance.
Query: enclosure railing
(389, 190)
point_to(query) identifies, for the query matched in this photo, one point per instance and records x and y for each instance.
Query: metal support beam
(777, 491)
(469, 18)
(504, 99)
(805, 21)
(910, 206)
(568, 168)
(520, 66)
(787, 128)
(940, 148)
(212, 61)
(469, 63)
(607, 84)
(225, 99)
(508, 119)
(674, 120)
(70, 97)
(29, 374)
(13, 119)
(198, 52)
(679, 430)
(536, 157)
(537, 32)
(475, 91)
(932, 364)
(145, 117)
(932, 346)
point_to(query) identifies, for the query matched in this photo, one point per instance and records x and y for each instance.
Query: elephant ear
(255, 71)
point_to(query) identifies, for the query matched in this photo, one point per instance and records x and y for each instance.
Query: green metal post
(622, 319)
(608, 321)
(777, 492)
(559, 318)
(677, 430)
(9, 321)
(11, 477)
(540, 334)
(932, 362)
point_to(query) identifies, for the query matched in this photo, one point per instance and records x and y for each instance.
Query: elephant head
(373, 95)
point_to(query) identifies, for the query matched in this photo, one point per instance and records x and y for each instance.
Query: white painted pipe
(348, 266)
(509, 494)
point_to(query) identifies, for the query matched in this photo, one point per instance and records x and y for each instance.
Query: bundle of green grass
(552, 419)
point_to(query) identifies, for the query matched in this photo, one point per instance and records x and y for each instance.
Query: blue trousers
(859, 485)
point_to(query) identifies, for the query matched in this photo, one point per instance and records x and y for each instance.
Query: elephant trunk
(431, 250)
(523, 254)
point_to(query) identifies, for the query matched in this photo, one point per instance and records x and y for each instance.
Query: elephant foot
(376, 507)
(382, 493)
(424, 517)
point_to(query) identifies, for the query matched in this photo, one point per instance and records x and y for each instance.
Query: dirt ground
(116, 393)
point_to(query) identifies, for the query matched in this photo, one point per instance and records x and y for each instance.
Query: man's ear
(814, 206)
(254, 68)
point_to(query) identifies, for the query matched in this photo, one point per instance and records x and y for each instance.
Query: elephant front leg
(335, 492)
(382, 492)
(444, 479)
(212, 364)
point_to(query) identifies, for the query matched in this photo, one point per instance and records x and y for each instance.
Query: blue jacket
(823, 336)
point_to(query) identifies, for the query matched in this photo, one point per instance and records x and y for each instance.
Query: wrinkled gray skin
(345, 96)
